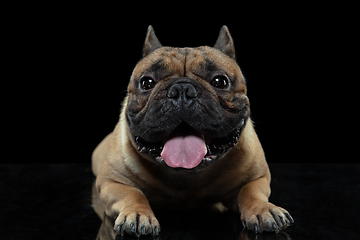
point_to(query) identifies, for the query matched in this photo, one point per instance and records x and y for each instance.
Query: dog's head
(186, 106)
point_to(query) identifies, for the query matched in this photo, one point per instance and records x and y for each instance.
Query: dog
(185, 140)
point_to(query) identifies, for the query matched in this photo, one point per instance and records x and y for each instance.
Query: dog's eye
(220, 81)
(147, 83)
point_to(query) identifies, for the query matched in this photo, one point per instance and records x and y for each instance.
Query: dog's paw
(265, 216)
(137, 220)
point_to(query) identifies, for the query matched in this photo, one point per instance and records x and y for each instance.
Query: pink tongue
(185, 151)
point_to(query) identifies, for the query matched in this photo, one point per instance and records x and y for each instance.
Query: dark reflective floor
(54, 201)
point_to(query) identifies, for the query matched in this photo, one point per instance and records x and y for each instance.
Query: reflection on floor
(190, 224)
(54, 201)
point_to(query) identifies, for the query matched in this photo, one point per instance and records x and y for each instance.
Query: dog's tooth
(139, 144)
(159, 159)
(144, 150)
(208, 150)
(206, 159)
(157, 149)
(153, 152)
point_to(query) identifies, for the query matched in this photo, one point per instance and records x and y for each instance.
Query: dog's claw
(118, 229)
(156, 231)
(256, 228)
(282, 220)
(132, 227)
(266, 217)
(143, 230)
(274, 227)
(243, 223)
(289, 217)
(138, 221)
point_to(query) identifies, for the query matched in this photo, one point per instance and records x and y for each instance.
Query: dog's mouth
(185, 148)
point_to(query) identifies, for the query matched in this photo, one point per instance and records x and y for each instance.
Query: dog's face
(186, 106)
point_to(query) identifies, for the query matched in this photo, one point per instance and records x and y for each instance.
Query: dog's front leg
(130, 207)
(257, 213)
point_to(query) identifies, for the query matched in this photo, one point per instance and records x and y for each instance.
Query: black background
(66, 68)
(70, 65)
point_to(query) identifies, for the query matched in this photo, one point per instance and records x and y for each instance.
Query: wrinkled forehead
(179, 62)
(167, 60)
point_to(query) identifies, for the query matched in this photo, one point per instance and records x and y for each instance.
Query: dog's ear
(151, 42)
(225, 42)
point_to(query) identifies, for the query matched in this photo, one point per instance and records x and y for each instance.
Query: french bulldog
(185, 140)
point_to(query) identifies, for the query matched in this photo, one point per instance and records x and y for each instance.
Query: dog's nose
(182, 90)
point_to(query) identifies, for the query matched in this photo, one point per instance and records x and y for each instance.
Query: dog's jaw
(216, 148)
